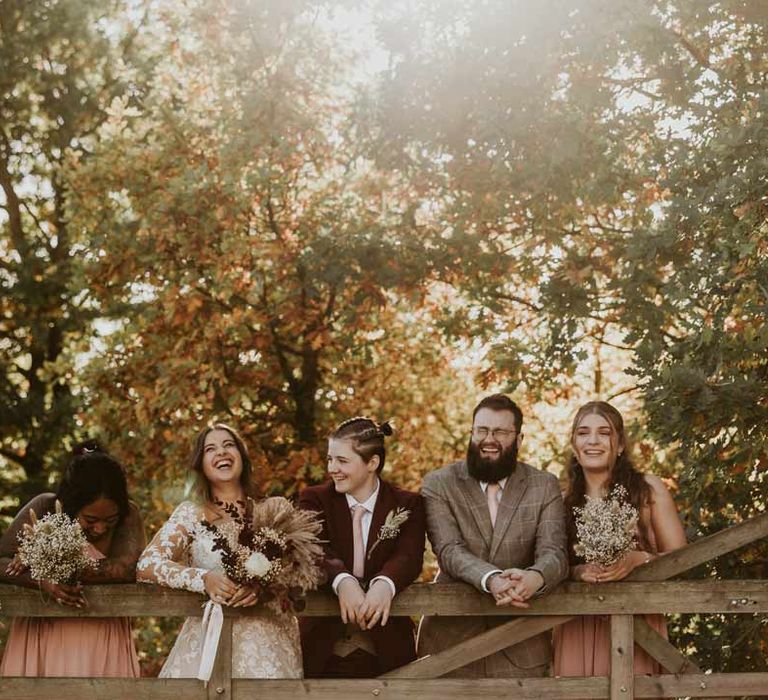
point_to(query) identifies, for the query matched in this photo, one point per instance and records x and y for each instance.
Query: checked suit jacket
(529, 534)
(399, 558)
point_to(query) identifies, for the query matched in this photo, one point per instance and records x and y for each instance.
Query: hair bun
(385, 428)
(86, 447)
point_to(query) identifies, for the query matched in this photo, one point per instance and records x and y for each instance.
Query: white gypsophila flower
(54, 548)
(257, 565)
(606, 528)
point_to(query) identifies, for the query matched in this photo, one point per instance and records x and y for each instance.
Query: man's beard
(490, 470)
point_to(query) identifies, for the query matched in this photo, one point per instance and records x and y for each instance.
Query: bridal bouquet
(54, 547)
(606, 528)
(271, 545)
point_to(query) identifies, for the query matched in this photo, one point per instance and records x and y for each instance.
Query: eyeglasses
(498, 434)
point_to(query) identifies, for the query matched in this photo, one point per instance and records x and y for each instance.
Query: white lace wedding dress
(178, 556)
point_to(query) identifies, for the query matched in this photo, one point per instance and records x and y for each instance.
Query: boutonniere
(391, 527)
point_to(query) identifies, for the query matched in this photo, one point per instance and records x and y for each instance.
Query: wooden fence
(645, 591)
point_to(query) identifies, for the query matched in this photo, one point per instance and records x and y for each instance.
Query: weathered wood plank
(622, 658)
(112, 688)
(665, 653)
(697, 685)
(478, 647)
(440, 689)
(708, 596)
(220, 685)
(707, 548)
(701, 685)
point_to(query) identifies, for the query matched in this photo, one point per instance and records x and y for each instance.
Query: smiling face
(350, 472)
(98, 519)
(595, 443)
(222, 461)
(493, 447)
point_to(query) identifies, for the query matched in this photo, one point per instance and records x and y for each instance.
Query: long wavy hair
(202, 485)
(623, 473)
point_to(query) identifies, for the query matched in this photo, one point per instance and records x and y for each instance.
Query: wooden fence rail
(645, 591)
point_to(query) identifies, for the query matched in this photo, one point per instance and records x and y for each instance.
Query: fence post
(220, 685)
(622, 657)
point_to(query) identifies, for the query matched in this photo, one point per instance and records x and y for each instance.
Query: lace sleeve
(161, 561)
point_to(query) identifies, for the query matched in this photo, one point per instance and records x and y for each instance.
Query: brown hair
(202, 486)
(366, 436)
(501, 402)
(623, 473)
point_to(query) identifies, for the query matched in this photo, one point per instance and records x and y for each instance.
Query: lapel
(385, 502)
(477, 502)
(341, 537)
(513, 492)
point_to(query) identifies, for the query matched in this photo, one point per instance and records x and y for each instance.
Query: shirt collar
(370, 503)
(484, 484)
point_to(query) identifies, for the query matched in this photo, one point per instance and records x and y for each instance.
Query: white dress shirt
(368, 505)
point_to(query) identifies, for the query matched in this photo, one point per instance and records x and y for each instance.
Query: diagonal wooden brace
(489, 642)
(669, 656)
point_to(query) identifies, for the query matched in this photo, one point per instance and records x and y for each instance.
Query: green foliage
(203, 215)
(600, 170)
(60, 68)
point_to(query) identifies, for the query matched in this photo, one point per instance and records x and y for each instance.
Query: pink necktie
(493, 504)
(358, 567)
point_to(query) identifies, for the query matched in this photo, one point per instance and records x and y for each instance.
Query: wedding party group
(495, 523)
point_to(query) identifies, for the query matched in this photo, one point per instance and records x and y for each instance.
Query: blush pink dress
(71, 646)
(582, 646)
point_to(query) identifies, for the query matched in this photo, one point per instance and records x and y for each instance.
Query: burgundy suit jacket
(399, 558)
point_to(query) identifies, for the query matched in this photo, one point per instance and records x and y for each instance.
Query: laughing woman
(182, 555)
(92, 491)
(599, 462)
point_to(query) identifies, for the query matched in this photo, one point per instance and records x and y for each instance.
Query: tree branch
(13, 206)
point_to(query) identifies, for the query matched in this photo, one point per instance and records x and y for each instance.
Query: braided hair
(366, 435)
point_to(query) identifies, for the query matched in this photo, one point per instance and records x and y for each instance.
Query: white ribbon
(213, 620)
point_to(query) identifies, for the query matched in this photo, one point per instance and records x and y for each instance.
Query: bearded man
(499, 525)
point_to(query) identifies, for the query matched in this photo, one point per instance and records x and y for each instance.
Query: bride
(181, 555)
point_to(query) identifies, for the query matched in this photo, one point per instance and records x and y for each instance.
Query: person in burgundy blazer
(363, 641)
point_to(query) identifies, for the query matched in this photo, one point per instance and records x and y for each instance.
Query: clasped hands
(364, 609)
(596, 573)
(514, 586)
(221, 589)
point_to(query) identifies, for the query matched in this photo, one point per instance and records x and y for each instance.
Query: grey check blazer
(529, 534)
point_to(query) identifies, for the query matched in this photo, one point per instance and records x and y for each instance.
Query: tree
(274, 272)
(600, 168)
(61, 67)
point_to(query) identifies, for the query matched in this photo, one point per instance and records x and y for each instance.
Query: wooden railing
(644, 592)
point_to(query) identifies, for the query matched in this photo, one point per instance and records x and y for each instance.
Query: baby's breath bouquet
(606, 528)
(54, 547)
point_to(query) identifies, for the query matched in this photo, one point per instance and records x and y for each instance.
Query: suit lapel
(513, 492)
(478, 504)
(341, 538)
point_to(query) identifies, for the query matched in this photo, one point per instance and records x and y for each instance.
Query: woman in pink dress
(599, 462)
(92, 490)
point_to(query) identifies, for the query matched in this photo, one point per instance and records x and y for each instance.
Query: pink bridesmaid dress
(582, 646)
(95, 647)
